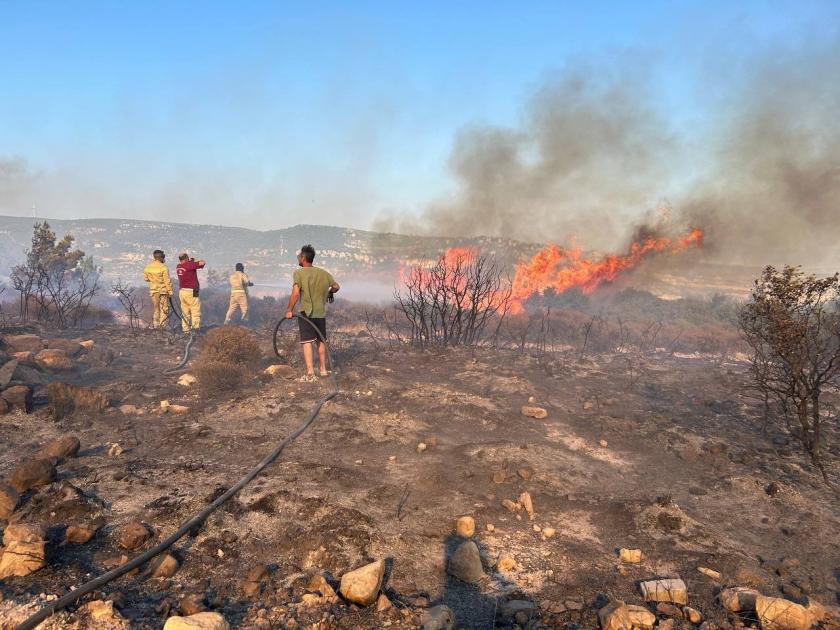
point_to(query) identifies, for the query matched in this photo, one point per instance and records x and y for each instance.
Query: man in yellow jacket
(239, 283)
(160, 288)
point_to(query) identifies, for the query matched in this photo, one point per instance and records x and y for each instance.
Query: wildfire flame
(561, 269)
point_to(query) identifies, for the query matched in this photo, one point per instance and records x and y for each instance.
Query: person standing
(314, 287)
(239, 283)
(188, 295)
(160, 287)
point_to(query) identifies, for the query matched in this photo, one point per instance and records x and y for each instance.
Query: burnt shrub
(216, 377)
(231, 345)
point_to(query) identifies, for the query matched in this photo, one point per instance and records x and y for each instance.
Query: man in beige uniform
(239, 283)
(160, 288)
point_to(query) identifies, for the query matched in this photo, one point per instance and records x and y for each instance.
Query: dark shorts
(307, 332)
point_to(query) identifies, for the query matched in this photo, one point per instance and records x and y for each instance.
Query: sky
(270, 114)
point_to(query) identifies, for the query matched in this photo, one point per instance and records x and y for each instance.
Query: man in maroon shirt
(188, 282)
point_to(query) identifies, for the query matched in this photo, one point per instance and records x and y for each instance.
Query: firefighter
(188, 295)
(160, 287)
(239, 283)
(314, 287)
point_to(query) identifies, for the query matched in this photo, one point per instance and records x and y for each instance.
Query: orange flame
(561, 269)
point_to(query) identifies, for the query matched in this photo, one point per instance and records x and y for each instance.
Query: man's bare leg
(322, 356)
(307, 358)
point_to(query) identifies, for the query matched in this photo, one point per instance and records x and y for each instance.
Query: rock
(7, 371)
(4, 407)
(59, 449)
(87, 344)
(710, 573)
(499, 476)
(750, 576)
(588, 405)
(25, 358)
(465, 563)
(115, 450)
(22, 558)
(9, 498)
(32, 474)
(421, 447)
(187, 380)
(526, 502)
(191, 604)
(667, 624)
(548, 532)
(80, 533)
(282, 371)
(164, 566)
(176, 409)
(102, 610)
(692, 615)
(513, 607)
(669, 610)
(198, 621)
(319, 583)
(738, 599)
(383, 603)
(133, 535)
(490, 527)
(19, 397)
(534, 412)
(665, 590)
(603, 443)
(252, 584)
(640, 617)
(465, 526)
(24, 343)
(506, 563)
(23, 532)
(130, 410)
(615, 616)
(361, 586)
(67, 346)
(631, 556)
(526, 472)
(776, 613)
(437, 618)
(54, 360)
(510, 506)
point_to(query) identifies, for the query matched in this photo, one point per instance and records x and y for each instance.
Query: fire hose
(190, 340)
(193, 523)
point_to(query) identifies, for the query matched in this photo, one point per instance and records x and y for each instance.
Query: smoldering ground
(595, 157)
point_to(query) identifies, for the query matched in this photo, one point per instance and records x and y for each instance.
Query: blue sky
(266, 114)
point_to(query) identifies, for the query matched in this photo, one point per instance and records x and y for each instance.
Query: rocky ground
(596, 493)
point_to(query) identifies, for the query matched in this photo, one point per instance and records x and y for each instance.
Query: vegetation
(229, 356)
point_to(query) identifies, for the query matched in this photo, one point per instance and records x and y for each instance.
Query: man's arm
(293, 298)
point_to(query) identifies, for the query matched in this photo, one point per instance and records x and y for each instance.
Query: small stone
(130, 410)
(115, 450)
(534, 412)
(164, 566)
(510, 506)
(490, 527)
(18, 397)
(465, 563)
(526, 472)
(133, 535)
(80, 533)
(9, 498)
(710, 573)
(187, 380)
(437, 618)
(640, 617)
(526, 502)
(22, 558)
(531, 400)
(7, 371)
(280, 370)
(631, 556)
(59, 449)
(667, 624)
(615, 616)
(499, 476)
(54, 360)
(513, 607)
(361, 586)
(669, 610)
(177, 409)
(465, 526)
(383, 603)
(102, 610)
(87, 344)
(603, 443)
(781, 614)
(506, 563)
(421, 447)
(665, 590)
(738, 599)
(191, 604)
(32, 474)
(548, 532)
(692, 615)
(252, 584)
(588, 405)
(198, 621)
(536, 528)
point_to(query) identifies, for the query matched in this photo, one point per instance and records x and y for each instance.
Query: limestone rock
(102, 611)
(133, 535)
(164, 566)
(510, 506)
(80, 533)
(198, 621)
(531, 411)
(4, 407)
(640, 616)
(710, 573)
(32, 474)
(19, 397)
(615, 616)
(24, 343)
(191, 604)
(692, 615)
(9, 498)
(252, 585)
(383, 603)
(526, 502)
(513, 607)
(187, 380)
(548, 532)
(506, 563)
(87, 344)
(437, 618)
(631, 556)
(669, 610)
(465, 563)
(525, 472)
(319, 583)
(738, 599)
(465, 526)
(22, 558)
(665, 590)
(776, 613)
(7, 371)
(54, 360)
(361, 586)
(68, 346)
(130, 410)
(23, 532)
(59, 449)
(282, 371)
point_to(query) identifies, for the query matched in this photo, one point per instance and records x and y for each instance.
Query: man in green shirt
(313, 287)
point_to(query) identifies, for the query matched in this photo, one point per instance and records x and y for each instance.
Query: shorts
(307, 331)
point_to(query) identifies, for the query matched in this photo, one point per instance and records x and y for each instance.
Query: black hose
(190, 340)
(194, 522)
